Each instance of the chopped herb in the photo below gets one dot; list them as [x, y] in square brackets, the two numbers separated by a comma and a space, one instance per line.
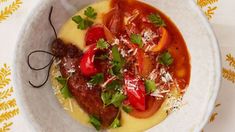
[118, 62]
[150, 86]
[166, 59]
[137, 39]
[61, 80]
[64, 90]
[116, 123]
[90, 12]
[127, 109]
[156, 19]
[102, 44]
[115, 71]
[106, 97]
[83, 24]
[77, 19]
[116, 54]
[97, 79]
[95, 122]
[102, 57]
[117, 99]
[116, 85]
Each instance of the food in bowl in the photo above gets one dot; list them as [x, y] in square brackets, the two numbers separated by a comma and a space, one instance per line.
[120, 65]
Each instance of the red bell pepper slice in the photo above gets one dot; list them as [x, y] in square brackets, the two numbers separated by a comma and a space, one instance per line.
[94, 34]
[87, 64]
[135, 90]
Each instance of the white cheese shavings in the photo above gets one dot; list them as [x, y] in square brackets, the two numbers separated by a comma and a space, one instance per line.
[157, 93]
[123, 53]
[70, 105]
[153, 75]
[72, 70]
[122, 39]
[129, 51]
[173, 103]
[106, 82]
[57, 62]
[135, 52]
[165, 76]
[89, 85]
[148, 35]
[116, 42]
[132, 84]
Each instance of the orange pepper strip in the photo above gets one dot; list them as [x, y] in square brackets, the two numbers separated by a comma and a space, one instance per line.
[164, 41]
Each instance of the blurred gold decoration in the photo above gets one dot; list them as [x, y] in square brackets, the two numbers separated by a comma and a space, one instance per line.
[208, 6]
[4, 73]
[6, 93]
[8, 106]
[6, 127]
[210, 12]
[203, 3]
[231, 60]
[7, 11]
[217, 105]
[213, 117]
[229, 75]
[2, 1]
[8, 115]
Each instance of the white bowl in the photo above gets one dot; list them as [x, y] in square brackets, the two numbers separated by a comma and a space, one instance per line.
[40, 106]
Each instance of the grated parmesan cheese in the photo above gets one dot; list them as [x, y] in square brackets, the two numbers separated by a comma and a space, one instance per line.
[173, 103]
[135, 52]
[116, 42]
[157, 93]
[106, 82]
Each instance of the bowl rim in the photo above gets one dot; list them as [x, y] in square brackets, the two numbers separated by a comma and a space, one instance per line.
[218, 65]
[205, 22]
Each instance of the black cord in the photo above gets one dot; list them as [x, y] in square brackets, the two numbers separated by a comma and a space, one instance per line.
[47, 77]
[49, 18]
[46, 52]
[39, 51]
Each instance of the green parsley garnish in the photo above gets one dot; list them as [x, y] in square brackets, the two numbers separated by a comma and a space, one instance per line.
[118, 62]
[116, 123]
[116, 54]
[137, 39]
[82, 23]
[106, 98]
[97, 79]
[115, 99]
[156, 19]
[116, 85]
[166, 59]
[64, 90]
[95, 122]
[102, 44]
[126, 108]
[90, 12]
[150, 86]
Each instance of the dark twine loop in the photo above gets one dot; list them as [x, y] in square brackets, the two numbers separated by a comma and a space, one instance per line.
[49, 18]
[39, 51]
[47, 77]
[46, 52]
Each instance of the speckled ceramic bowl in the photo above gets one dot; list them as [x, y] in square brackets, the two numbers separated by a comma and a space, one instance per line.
[40, 106]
